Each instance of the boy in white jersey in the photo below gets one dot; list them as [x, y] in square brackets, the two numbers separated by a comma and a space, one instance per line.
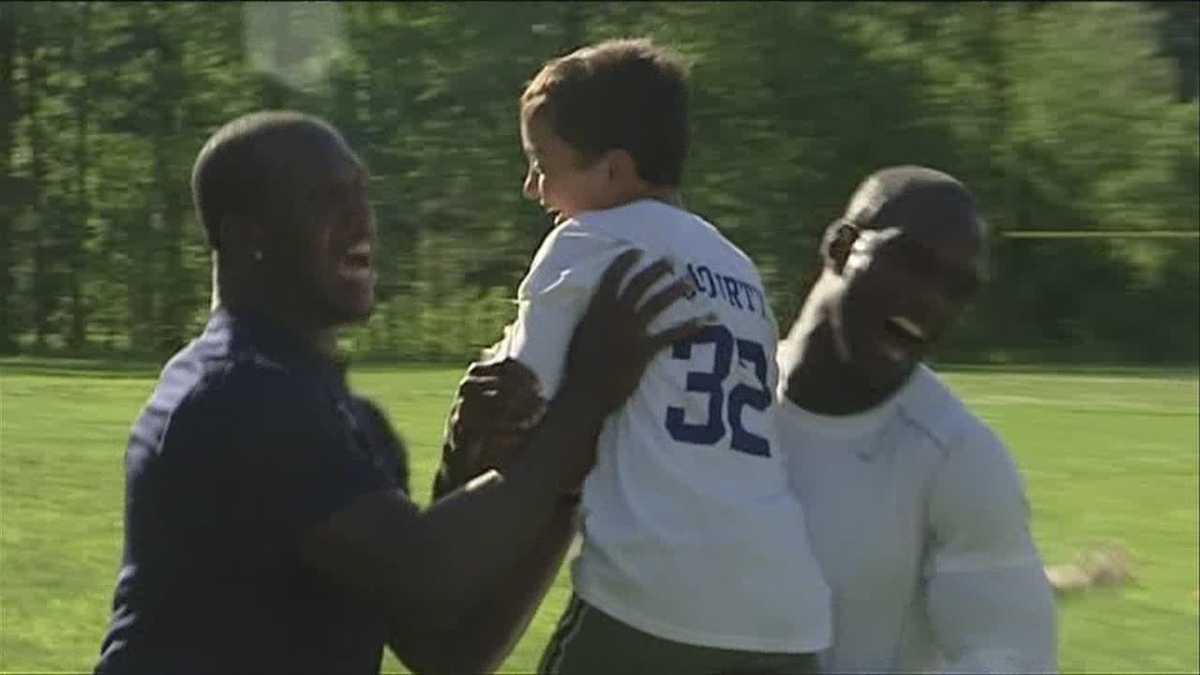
[915, 508]
[689, 561]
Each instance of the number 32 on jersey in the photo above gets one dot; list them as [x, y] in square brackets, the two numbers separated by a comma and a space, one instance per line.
[722, 405]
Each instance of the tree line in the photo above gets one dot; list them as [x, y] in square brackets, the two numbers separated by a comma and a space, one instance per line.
[1063, 117]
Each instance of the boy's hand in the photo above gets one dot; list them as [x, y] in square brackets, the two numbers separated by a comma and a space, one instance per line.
[497, 405]
[500, 398]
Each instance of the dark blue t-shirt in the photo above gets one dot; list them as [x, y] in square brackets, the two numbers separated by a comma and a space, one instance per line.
[249, 440]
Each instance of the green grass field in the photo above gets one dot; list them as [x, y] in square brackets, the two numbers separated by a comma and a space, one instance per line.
[1107, 457]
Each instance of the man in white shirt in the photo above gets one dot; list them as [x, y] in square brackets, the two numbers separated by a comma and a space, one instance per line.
[915, 508]
[690, 560]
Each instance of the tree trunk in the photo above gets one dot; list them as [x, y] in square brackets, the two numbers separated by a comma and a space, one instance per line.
[75, 241]
[10, 203]
[43, 292]
[173, 301]
[144, 232]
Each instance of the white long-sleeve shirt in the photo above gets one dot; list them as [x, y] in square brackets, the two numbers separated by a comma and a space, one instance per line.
[917, 515]
[689, 525]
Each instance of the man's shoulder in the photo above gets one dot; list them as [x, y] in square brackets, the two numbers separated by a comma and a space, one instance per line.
[203, 396]
[383, 437]
[929, 404]
[236, 384]
[974, 483]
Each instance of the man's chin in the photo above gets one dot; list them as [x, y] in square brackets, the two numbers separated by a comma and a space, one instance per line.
[360, 313]
[345, 311]
[881, 369]
[891, 375]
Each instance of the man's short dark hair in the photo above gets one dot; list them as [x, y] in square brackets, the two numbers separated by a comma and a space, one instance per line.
[237, 172]
[627, 94]
[902, 195]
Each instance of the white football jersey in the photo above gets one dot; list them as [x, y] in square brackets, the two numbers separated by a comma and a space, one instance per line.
[690, 530]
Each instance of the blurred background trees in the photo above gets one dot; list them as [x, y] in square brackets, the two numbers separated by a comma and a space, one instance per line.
[1071, 118]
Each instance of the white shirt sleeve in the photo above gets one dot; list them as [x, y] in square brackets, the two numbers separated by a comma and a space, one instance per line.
[988, 601]
[553, 297]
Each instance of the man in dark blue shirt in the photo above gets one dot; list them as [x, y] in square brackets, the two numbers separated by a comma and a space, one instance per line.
[266, 525]
[248, 441]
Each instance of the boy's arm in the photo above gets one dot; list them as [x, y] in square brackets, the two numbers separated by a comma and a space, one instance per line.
[552, 298]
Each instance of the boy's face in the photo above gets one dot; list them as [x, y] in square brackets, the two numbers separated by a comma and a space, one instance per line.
[559, 178]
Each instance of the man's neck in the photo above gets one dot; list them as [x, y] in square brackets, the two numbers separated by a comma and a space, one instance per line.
[321, 339]
[818, 379]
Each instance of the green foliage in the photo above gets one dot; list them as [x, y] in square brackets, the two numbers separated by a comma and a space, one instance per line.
[1059, 116]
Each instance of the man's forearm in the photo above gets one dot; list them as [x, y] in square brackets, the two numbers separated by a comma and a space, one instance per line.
[491, 630]
[437, 564]
[500, 621]
[471, 534]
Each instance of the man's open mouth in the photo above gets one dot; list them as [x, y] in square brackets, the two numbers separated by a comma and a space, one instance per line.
[903, 337]
[356, 262]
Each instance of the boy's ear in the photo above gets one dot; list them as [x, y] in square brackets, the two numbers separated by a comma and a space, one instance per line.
[836, 244]
[622, 169]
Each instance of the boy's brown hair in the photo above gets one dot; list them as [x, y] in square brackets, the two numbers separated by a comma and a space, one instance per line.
[629, 94]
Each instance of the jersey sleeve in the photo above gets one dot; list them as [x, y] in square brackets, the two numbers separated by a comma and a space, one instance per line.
[987, 597]
[553, 297]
